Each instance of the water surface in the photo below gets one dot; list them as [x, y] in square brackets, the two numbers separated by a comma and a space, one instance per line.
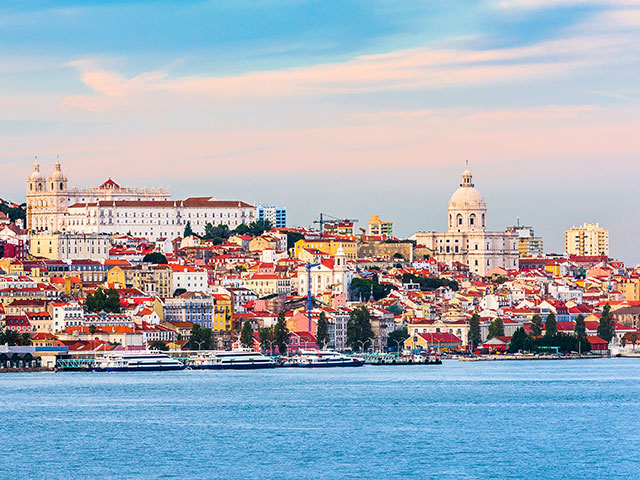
[533, 420]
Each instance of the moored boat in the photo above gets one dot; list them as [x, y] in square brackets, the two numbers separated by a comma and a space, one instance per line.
[324, 359]
[137, 362]
[232, 360]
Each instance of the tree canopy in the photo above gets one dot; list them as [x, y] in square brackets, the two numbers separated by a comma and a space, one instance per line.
[156, 258]
[159, 345]
[246, 335]
[200, 338]
[496, 328]
[396, 338]
[429, 283]
[580, 328]
[188, 231]
[521, 342]
[536, 326]
[550, 325]
[359, 332]
[99, 301]
[13, 338]
[322, 332]
[474, 337]
[281, 334]
[361, 288]
[606, 328]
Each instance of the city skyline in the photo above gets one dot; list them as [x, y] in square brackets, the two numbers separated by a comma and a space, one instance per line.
[325, 107]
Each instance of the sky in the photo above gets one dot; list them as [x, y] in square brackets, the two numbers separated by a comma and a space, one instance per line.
[351, 108]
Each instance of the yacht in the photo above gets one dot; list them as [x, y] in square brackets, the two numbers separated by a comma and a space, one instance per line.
[233, 360]
[325, 358]
[137, 362]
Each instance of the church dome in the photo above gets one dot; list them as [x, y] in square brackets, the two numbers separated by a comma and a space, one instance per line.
[467, 207]
[467, 198]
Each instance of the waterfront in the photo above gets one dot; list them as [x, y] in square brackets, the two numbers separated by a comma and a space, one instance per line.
[552, 420]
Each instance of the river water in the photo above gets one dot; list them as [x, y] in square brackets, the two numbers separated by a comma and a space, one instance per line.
[574, 419]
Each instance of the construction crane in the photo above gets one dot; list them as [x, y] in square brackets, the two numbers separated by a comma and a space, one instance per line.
[322, 220]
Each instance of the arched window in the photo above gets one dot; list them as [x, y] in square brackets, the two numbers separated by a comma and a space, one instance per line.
[472, 219]
[61, 186]
[450, 220]
[459, 219]
[483, 224]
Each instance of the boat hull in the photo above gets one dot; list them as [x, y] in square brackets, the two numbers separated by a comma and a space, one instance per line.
[140, 369]
[328, 365]
[234, 367]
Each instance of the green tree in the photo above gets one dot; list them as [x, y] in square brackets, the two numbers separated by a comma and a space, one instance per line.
[246, 335]
[241, 229]
[200, 338]
[429, 283]
[266, 339]
[550, 326]
[359, 332]
[112, 301]
[396, 338]
[95, 301]
[258, 227]
[156, 258]
[281, 334]
[496, 328]
[474, 331]
[536, 326]
[606, 329]
[292, 238]
[580, 328]
[361, 288]
[521, 342]
[322, 332]
[188, 232]
[179, 291]
[159, 345]
[92, 329]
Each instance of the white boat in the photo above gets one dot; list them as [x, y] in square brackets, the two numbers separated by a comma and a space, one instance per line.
[324, 358]
[137, 362]
[232, 360]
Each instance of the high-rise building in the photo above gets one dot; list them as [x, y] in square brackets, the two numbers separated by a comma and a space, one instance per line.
[587, 239]
[277, 216]
[528, 244]
[379, 227]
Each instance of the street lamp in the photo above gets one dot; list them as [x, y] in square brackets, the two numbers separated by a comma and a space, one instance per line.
[398, 346]
[363, 344]
[270, 342]
[200, 344]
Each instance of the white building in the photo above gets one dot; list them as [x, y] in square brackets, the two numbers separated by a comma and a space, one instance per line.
[64, 315]
[330, 275]
[467, 240]
[112, 209]
[189, 278]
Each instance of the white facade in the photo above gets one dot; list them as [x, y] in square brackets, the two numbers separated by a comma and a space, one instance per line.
[112, 209]
[64, 315]
[329, 276]
[467, 240]
[190, 278]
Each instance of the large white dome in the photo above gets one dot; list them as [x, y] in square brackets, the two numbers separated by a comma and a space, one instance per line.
[467, 198]
[467, 208]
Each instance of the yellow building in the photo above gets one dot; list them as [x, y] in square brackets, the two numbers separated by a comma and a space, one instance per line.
[265, 284]
[587, 239]
[379, 227]
[328, 246]
[70, 246]
[11, 266]
[630, 289]
[153, 280]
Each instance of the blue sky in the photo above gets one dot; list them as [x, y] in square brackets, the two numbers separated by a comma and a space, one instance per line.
[353, 108]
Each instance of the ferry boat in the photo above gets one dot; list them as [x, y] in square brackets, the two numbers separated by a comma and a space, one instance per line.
[324, 358]
[233, 360]
[137, 362]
